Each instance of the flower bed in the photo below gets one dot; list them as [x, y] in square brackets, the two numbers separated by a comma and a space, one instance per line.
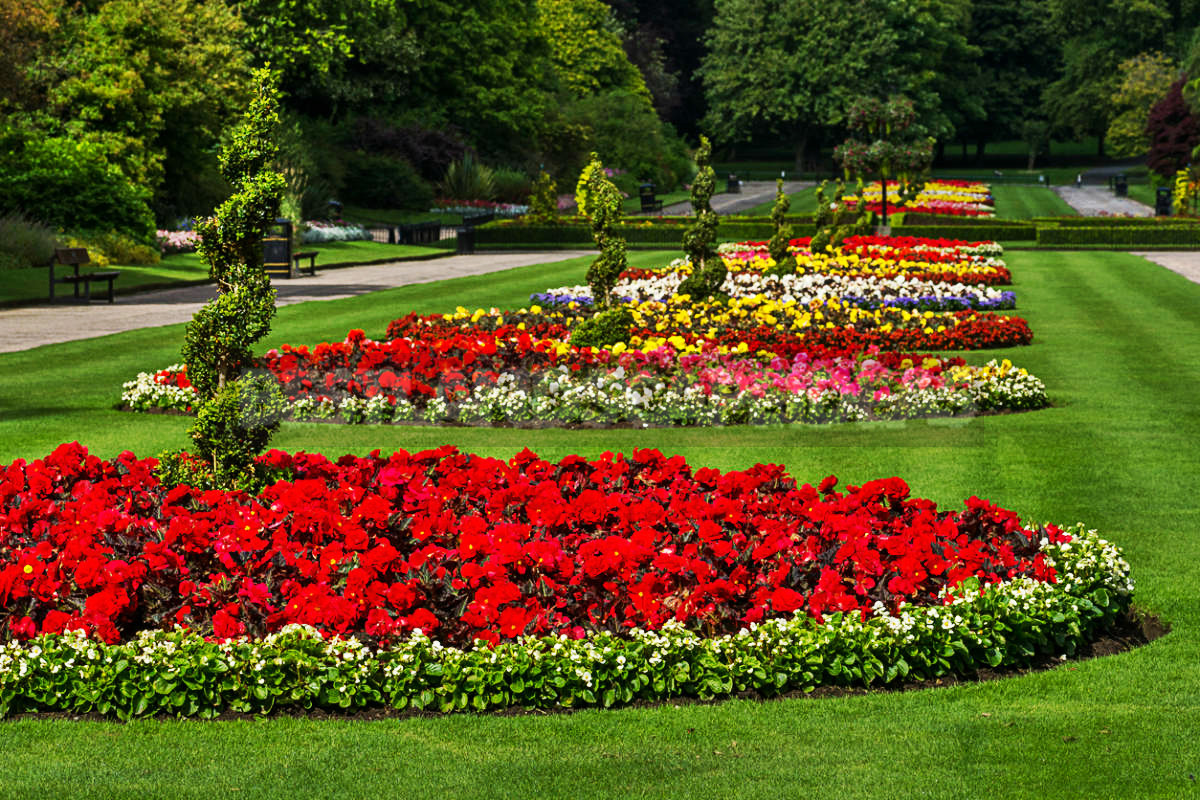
[948, 197]
[824, 346]
[172, 242]
[316, 231]
[600, 581]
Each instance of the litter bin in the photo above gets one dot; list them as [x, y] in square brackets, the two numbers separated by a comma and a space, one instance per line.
[1162, 201]
[1121, 185]
[733, 185]
[466, 240]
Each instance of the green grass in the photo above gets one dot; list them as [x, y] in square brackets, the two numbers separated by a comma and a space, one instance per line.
[1027, 202]
[30, 286]
[1117, 343]
[803, 202]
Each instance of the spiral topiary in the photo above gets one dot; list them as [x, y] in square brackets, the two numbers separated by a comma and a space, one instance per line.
[600, 201]
[777, 247]
[237, 415]
[699, 240]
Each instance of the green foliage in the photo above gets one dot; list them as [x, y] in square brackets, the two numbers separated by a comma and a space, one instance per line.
[586, 50]
[150, 82]
[777, 246]
[700, 239]
[384, 182]
[511, 185]
[468, 179]
[599, 200]
[24, 243]
[794, 66]
[624, 129]
[235, 426]
[1145, 79]
[604, 329]
[118, 248]
[235, 416]
[543, 201]
[69, 184]
[835, 218]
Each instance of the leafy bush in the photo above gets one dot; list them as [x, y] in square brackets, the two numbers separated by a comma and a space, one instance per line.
[511, 185]
[627, 133]
[467, 179]
[119, 248]
[604, 330]
[375, 181]
[431, 151]
[24, 243]
[69, 184]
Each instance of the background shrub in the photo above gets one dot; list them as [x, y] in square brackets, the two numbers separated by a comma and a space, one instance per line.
[70, 184]
[467, 179]
[24, 243]
[511, 185]
[385, 182]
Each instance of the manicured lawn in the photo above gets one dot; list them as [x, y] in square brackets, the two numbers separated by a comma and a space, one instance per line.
[803, 202]
[1117, 343]
[1027, 202]
[29, 286]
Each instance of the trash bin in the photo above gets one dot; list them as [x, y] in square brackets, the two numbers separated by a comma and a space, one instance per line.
[1121, 185]
[466, 239]
[733, 185]
[1162, 201]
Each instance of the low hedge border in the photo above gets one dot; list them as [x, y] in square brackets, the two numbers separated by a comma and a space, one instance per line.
[1119, 235]
[178, 673]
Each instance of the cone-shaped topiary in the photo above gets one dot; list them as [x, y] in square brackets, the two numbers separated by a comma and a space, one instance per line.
[543, 200]
[699, 240]
[777, 247]
[237, 415]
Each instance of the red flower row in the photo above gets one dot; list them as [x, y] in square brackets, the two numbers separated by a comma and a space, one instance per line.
[468, 547]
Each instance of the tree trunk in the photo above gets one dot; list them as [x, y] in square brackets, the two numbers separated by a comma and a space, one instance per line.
[1100, 146]
[963, 143]
[1032, 158]
[980, 147]
[801, 147]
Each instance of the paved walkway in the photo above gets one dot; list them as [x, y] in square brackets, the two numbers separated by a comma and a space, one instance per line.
[30, 327]
[1092, 201]
[754, 193]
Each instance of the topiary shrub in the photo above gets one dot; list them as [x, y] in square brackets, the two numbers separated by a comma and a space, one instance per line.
[700, 239]
[604, 329]
[777, 247]
[543, 200]
[600, 201]
[237, 414]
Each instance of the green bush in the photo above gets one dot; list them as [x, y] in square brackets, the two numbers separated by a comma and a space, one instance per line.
[604, 330]
[236, 425]
[24, 243]
[627, 133]
[467, 179]
[511, 185]
[382, 182]
[119, 248]
[69, 184]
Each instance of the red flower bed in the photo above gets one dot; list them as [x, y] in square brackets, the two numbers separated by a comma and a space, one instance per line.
[465, 546]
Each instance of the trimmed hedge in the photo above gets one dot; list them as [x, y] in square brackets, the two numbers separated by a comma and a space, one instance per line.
[982, 231]
[1122, 235]
[1110, 222]
[493, 236]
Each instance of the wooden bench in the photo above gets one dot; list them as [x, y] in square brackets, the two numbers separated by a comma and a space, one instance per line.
[311, 255]
[75, 257]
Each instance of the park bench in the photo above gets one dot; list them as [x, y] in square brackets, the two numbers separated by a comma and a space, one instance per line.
[649, 201]
[75, 257]
[311, 255]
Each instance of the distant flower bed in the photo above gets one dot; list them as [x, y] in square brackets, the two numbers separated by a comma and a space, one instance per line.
[471, 207]
[172, 242]
[317, 231]
[950, 197]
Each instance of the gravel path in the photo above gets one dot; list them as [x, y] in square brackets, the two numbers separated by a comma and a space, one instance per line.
[753, 193]
[27, 328]
[1092, 201]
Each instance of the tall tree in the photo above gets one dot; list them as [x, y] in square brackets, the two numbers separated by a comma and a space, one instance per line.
[794, 66]
[1145, 80]
[1099, 34]
[1018, 56]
